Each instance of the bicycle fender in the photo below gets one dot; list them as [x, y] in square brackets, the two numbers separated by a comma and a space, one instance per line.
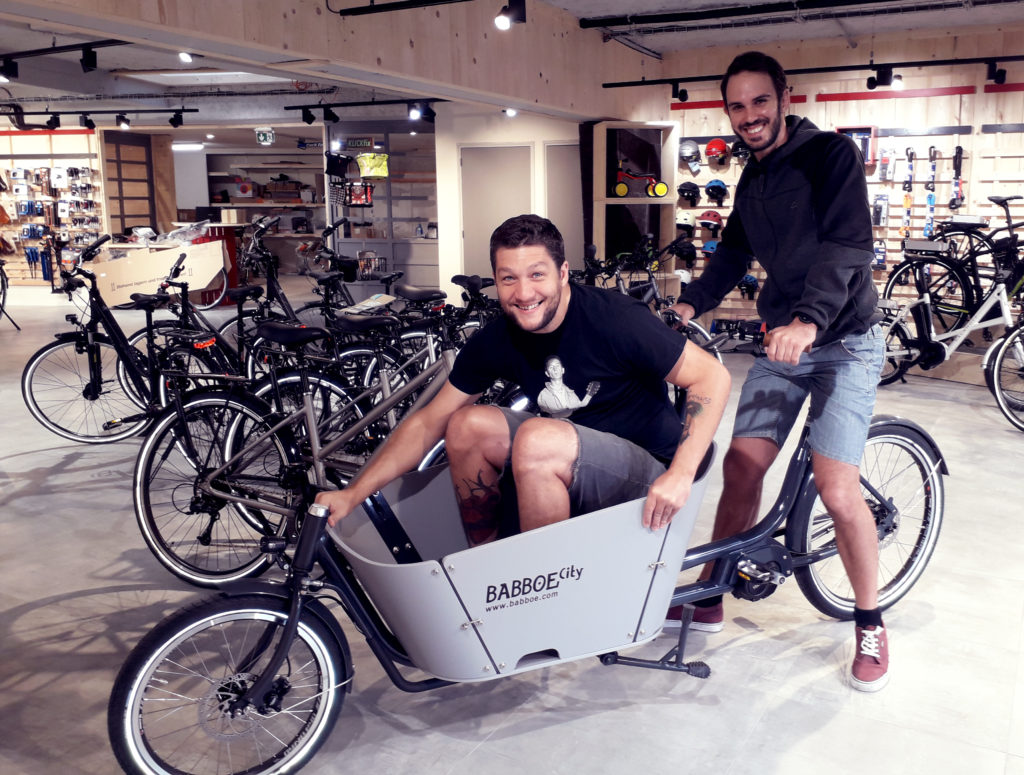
[889, 419]
[245, 587]
[74, 336]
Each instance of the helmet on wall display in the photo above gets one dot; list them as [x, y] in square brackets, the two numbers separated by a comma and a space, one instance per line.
[717, 151]
[717, 191]
[709, 247]
[685, 221]
[689, 191]
[740, 150]
[685, 252]
[689, 152]
[711, 219]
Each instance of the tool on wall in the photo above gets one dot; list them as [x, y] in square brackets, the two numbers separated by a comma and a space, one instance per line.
[885, 168]
[880, 210]
[958, 185]
[908, 196]
[932, 156]
[908, 182]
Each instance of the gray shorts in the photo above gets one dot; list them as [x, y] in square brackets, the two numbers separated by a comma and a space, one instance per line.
[608, 470]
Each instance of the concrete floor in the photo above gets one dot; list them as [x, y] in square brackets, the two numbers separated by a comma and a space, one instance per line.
[79, 588]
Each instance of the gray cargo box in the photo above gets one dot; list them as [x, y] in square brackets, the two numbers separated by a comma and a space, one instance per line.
[596, 583]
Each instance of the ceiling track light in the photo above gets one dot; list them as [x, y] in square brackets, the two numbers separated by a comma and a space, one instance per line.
[122, 121]
[995, 73]
[897, 82]
[88, 60]
[85, 121]
[177, 119]
[185, 57]
[53, 122]
[679, 93]
[415, 111]
[330, 115]
[882, 77]
[307, 116]
[510, 112]
[513, 13]
[9, 69]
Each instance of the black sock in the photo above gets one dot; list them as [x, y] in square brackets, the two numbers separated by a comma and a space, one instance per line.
[709, 602]
[867, 618]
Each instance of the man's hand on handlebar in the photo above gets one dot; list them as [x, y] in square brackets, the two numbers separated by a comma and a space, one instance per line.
[685, 312]
[340, 502]
[787, 343]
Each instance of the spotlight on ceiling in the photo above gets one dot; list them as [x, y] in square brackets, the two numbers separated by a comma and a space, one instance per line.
[330, 115]
[897, 83]
[177, 119]
[307, 116]
[88, 60]
[85, 121]
[187, 146]
[510, 112]
[185, 57]
[9, 69]
[122, 121]
[679, 93]
[53, 122]
[428, 113]
[415, 111]
[513, 13]
[995, 73]
[882, 77]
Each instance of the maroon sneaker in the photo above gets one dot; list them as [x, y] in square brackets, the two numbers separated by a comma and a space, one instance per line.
[704, 619]
[871, 662]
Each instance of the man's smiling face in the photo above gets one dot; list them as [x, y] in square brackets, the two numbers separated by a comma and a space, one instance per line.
[756, 112]
[533, 292]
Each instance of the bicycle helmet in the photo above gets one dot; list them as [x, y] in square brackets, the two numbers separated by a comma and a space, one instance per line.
[709, 247]
[685, 252]
[740, 150]
[689, 152]
[711, 220]
[689, 191]
[748, 286]
[685, 221]
[717, 151]
[716, 191]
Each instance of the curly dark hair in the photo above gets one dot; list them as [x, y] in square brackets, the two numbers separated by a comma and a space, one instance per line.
[529, 230]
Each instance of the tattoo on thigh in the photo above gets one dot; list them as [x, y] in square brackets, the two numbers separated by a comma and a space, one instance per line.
[478, 505]
[694, 406]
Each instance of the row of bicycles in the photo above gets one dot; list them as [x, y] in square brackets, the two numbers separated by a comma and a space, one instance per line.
[246, 422]
[965, 282]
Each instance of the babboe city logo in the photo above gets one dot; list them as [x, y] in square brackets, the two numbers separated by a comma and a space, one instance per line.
[530, 589]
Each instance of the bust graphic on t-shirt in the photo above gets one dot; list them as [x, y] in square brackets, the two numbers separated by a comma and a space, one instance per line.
[557, 399]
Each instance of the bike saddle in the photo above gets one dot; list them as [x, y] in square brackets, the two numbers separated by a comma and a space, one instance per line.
[473, 283]
[1001, 200]
[148, 301]
[351, 324]
[326, 278]
[414, 293]
[289, 335]
[244, 292]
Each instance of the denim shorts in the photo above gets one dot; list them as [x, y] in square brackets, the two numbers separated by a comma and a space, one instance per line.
[841, 377]
[608, 470]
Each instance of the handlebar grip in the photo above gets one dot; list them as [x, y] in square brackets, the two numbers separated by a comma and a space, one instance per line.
[309, 536]
[334, 227]
[176, 269]
[90, 252]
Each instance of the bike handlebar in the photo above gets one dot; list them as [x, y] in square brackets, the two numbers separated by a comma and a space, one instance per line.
[93, 250]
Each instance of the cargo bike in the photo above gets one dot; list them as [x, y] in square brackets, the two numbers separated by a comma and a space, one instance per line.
[252, 679]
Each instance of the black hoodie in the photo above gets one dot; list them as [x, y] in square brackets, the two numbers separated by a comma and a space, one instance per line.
[802, 212]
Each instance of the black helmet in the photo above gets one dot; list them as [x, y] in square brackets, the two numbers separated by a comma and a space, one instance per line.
[689, 191]
[740, 150]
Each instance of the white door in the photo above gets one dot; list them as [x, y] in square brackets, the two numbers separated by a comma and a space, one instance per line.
[495, 187]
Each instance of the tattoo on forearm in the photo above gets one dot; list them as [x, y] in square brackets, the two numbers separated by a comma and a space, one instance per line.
[694, 406]
[478, 505]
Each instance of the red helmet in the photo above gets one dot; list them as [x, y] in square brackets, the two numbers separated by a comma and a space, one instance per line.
[717, 151]
[710, 219]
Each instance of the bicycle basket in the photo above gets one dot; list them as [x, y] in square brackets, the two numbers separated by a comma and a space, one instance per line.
[337, 164]
[1004, 253]
[372, 166]
[351, 194]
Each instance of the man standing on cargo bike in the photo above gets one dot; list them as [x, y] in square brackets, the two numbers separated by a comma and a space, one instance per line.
[623, 439]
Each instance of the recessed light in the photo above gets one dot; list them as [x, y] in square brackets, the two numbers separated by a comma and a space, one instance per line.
[210, 137]
[185, 57]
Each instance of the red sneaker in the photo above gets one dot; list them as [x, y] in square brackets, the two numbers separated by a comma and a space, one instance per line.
[704, 619]
[871, 662]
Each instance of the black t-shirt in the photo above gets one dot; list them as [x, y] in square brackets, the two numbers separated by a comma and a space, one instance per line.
[613, 357]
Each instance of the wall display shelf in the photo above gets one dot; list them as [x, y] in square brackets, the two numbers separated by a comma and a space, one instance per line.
[403, 208]
[630, 158]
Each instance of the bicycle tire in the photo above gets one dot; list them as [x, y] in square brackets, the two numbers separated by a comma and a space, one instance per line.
[900, 464]
[168, 713]
[974, 251]
[213, 294]
[952, 293]
[898, 352]
[1006, 377]
[55, 387]
[197, 537]
[3, 292]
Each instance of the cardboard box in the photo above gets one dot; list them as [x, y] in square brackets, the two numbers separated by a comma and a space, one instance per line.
[141, 270]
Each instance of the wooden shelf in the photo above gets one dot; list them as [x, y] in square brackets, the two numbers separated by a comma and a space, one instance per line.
[270, 205]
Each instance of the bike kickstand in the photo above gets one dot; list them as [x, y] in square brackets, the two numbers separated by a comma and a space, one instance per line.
[8, 316]
[673, 660]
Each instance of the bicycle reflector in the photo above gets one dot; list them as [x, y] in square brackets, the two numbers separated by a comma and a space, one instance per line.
[717, 151]
[689, 191]
[689, 152]
[716, 191]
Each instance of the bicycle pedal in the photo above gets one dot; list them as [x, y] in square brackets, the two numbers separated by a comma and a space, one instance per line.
[752, 571]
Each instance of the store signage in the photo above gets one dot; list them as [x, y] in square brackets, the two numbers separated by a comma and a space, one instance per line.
[265, 135]
[357, 142]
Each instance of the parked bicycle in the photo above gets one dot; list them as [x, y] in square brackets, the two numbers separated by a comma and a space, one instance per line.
[961, 264]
